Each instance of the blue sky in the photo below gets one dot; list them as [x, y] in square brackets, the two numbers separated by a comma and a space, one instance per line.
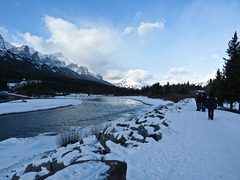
[148, 41]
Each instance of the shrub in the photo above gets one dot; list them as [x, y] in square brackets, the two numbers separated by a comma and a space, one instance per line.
[75, 136]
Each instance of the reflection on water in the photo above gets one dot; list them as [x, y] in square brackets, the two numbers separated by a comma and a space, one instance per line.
[115, 101]
[90, 112]
[5, 98]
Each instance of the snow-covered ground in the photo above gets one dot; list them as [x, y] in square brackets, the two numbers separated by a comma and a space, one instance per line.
[18, 106]
[235, 105]
[192, 147]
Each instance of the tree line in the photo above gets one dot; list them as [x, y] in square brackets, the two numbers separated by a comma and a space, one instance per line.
[226, 84]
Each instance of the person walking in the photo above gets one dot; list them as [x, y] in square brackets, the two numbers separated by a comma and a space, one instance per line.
[196, 99]
[211, 104]
[204, 101]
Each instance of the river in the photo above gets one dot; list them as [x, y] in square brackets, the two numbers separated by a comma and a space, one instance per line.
[90, 112]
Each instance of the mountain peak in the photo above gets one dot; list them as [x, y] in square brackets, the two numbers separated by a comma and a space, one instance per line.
[128, 83]
[2, 43]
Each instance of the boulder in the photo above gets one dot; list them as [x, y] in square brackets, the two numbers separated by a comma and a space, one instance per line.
[117, 171]
[138, 121]
[107, 135]
[155, 126]
[156, 136]
[151, 115]
[134, 128]
[122, 125]
[15, 177]
[165, 124]
[160, 117]
[142, 131]
[51, 166]
[138, 139]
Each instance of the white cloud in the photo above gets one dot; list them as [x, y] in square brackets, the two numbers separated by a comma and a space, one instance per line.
[34, 40]
[182, 70]
[128, 30]
[139, 75]
[3, 30]
[180, 75]
[138, 14]
[90, 47]
[215, 56]
[145, 28]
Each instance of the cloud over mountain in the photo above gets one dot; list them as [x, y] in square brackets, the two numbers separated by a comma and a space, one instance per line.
[90, 47]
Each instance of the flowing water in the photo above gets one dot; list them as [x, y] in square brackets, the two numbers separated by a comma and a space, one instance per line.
[90, 112]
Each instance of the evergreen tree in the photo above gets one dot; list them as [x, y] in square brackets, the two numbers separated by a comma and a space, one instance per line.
[218, 87]
[231, 72]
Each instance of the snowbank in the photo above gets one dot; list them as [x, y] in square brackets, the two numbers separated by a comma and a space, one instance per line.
[153, 102]
[19, 106]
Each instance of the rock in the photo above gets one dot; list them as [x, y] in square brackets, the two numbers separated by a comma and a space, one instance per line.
[134, 138]
[51, 166]
[157, 111]
[165, 124]
[160, 117]
[117, 170]
[101, 151]
[15, 177]
[134, 128]
[151, 115]
[155, 126]
[77, 148]
[140, 122]
[122, 125]
[108, 134]
[64, 154]
[122, 140]
[156, 136]
[31, 168]
[142, 131]
[131, 133]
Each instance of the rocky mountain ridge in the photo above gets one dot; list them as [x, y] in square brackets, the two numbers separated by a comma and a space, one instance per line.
[25, 58]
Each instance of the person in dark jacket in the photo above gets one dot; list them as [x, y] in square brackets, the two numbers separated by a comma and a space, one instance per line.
[204, 101]
[196, 99]
[199, 101]
[211, 104]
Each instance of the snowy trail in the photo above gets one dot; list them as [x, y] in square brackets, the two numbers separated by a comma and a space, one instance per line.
[193, 147]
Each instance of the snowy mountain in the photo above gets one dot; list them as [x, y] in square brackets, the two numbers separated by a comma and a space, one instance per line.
[128, 83]
[25, 58]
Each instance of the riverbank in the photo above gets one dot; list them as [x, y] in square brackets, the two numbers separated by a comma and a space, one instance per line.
[29, 105]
